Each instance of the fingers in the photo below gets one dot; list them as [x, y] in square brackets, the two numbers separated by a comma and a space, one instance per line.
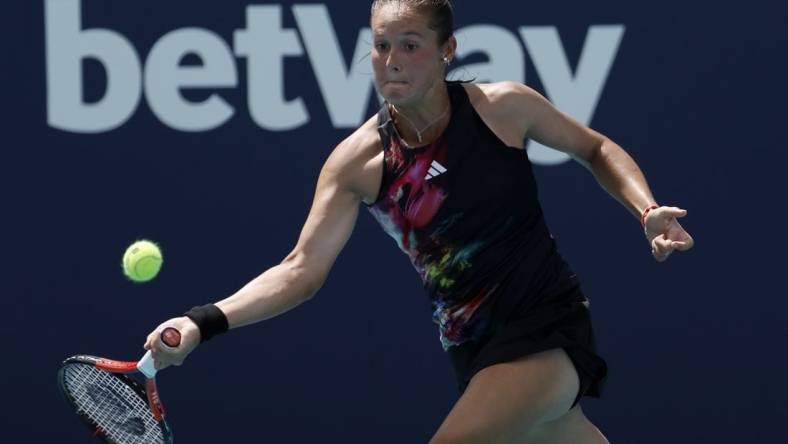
[674, 211]
[164, 355]
[150, 340]
[163, 358]
[684, 245]
[661, 218]
[157, 363]
[689, 241]
[152, 344]
[157, 349]
[661, 248]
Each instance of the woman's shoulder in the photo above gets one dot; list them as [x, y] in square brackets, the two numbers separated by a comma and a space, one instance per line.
[356, 160]
[362, 144]
[505, 94]
[503, 106]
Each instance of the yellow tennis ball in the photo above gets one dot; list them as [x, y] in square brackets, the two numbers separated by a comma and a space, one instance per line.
[142, 261]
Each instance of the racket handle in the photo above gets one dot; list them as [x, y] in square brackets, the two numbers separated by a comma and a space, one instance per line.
[170, 338]
[146, 367]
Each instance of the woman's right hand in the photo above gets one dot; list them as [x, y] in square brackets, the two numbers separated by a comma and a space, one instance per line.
[166, 356]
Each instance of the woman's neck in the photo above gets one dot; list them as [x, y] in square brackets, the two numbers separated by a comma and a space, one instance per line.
[422, 123]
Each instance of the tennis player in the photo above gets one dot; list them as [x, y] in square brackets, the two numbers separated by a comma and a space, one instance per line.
[442, 168]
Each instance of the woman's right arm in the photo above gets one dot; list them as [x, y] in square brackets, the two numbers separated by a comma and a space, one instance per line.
[301, 274]
[340, 189]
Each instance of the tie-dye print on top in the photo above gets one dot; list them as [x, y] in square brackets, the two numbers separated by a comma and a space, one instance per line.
[472, 226]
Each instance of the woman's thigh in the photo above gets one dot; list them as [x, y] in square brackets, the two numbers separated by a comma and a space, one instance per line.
[571, 428]
[504, 402]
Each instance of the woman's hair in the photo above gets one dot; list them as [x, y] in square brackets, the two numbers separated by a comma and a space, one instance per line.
[440, 13]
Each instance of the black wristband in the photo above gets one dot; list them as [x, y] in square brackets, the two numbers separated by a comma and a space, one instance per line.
[210, 320]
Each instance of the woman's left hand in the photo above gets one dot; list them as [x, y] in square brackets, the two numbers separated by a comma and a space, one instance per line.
[664, 232]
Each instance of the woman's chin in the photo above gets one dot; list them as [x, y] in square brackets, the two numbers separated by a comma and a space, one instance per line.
[396, 93]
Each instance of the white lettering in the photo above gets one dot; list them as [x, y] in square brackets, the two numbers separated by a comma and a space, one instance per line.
[345, 87]
[265, 44]
[66, 46]
[576, 95]
[346, 92]
[503, 51]
[164, 77]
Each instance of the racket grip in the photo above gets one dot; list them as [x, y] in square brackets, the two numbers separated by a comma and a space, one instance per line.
[170, 339]
[146, 366]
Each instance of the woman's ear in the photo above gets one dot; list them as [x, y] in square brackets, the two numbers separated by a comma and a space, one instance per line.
[451, 49]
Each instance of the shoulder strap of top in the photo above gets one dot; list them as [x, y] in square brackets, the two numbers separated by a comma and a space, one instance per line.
[463, 125]
[459, 97]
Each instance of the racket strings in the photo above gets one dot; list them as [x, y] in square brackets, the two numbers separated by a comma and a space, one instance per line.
[112, 404]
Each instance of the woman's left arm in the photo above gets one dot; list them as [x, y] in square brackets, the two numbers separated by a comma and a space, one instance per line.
[611, 165]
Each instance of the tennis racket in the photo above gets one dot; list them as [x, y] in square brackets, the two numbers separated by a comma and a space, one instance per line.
[118, 408]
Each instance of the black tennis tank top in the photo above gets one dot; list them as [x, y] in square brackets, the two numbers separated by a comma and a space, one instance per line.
[465, 210]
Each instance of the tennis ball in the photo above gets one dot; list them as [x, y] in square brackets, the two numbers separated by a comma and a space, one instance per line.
[142, 261]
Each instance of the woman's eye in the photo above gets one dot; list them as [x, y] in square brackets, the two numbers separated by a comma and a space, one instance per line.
[381, 46]
[411, 46]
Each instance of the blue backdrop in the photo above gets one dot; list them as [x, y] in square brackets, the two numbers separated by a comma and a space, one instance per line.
[203, 125]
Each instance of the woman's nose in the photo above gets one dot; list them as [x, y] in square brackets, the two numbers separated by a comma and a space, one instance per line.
[392, 62]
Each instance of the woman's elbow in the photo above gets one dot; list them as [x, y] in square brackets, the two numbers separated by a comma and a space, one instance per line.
[598, 150]
[311, 287]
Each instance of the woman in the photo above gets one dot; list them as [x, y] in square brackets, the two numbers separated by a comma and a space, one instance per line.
[442, 168]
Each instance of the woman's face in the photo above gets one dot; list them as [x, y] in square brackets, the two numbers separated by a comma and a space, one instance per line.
[406, 59]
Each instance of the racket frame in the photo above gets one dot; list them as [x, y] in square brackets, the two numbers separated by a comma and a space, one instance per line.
[120, 370]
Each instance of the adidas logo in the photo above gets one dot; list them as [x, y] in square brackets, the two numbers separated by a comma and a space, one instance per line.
[436, 169]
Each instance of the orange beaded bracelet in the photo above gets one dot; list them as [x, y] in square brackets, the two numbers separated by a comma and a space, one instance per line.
[645, 213]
